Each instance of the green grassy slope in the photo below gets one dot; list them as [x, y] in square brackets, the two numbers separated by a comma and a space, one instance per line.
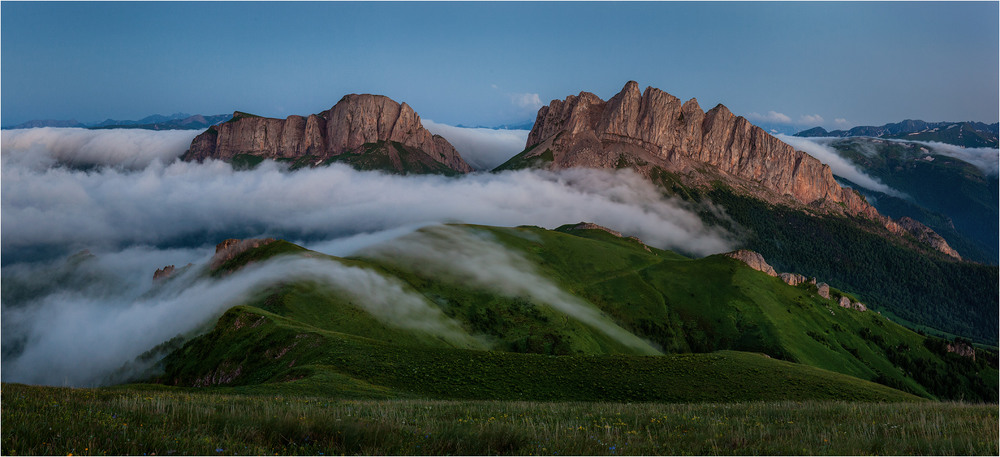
[954, 297]
[676, 304]
[301, 359]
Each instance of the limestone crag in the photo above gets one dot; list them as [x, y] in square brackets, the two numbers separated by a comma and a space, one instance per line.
[961, 348]
[163, 273]
[354, 121]
[792, 279]
[756, 261]
[753, 260]
[593, 226]
[229, 249]
[823, 289]
[926, 235]
[654, 129]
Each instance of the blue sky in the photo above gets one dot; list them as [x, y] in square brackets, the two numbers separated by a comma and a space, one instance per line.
[801, 64]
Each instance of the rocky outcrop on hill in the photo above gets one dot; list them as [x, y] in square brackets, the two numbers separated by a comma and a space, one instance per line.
[753, 260]
[926, 235]
[229, 249]
[961, 348]
[845, 302]
[355, 121]
[823, 289]
[163, 273]
[756, 261]
[593, 226]
[652, 129]
[792, 279]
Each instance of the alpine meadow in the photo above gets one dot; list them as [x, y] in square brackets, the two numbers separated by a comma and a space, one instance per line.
[563, 262]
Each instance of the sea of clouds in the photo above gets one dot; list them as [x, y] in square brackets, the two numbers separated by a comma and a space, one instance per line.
[122, 195]
[83, 319]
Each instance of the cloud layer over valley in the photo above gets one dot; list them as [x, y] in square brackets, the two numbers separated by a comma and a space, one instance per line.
[183, 203]
[483, 148]
[839, 165]
[75, 319]
[82, 337]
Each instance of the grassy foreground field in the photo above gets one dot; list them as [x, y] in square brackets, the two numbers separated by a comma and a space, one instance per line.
[153, 420]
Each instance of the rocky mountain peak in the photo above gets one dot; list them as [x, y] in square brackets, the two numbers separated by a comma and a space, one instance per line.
[355, 121]
[652, 129]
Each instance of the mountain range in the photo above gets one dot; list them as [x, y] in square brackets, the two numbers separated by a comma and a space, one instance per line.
[176, 121]
[967, 134]
[831, 294]
[712, 159]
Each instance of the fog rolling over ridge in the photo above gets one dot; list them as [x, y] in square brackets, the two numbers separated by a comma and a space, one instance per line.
[465, 258]
[839, 165]
[81, 338]
[82, 319]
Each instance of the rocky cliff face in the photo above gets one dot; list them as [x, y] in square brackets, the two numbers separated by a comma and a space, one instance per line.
[355, 120]
[652, 128]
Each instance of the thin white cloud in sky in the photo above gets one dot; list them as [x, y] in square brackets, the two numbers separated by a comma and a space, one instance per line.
[771, 116]
[841, 122]
[814, 119]
[526, 101]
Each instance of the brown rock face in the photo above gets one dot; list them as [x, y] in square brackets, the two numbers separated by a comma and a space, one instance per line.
[962, 349]
[792, 279]
[354, 121]
[163, 273]
[823, 289]
[652, 128]
[229, 249]
[926, 235]
[753, 260]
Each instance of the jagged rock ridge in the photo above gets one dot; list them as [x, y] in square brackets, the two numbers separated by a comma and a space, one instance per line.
[756, 261]
[650, 129]
[355, 121]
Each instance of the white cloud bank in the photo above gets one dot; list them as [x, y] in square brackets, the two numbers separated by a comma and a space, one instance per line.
[134, 195]
[482, 148]
[131, 149]
[985, 159]
[166, 204]
[79, 339]
[839, 165]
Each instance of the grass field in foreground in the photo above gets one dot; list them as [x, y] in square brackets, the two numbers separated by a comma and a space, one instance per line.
[143, 420]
